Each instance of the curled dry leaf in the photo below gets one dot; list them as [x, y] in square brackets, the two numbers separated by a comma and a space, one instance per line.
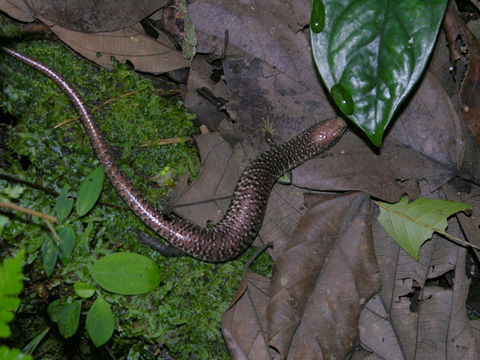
[322, 281]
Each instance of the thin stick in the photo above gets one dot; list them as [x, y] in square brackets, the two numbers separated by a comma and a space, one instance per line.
[11, 206]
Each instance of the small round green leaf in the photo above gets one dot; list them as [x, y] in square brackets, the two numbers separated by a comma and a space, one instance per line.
[83, 290]
[65, 247]
[126, 273]
[64, 205]
[90, 190]
[100, 322]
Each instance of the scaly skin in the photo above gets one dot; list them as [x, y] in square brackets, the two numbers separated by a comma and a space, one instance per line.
[243, 219]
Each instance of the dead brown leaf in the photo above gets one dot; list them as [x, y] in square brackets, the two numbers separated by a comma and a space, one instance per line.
[465, 51]
[244, 325]
[322, 281]
[85, 15]
[428, 141]
[417, 314]
[132, 44]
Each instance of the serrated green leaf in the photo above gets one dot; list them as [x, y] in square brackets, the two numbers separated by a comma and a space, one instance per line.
[126, 273]
[83, 290]
[68, 318]
[90, 190]
[65, 247]
[64, 205]
[374, 51]
[10, 286]
[100, 322]
[49, 255]
[411, 224]
[12, 354]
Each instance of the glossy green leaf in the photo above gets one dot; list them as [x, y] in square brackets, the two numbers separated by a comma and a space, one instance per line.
[65, 247]
[376, 51]
[100, 322]
[64, 205]
[126, 273]
[90, 190]
[49, 255]
[83, 290]
[411, 224]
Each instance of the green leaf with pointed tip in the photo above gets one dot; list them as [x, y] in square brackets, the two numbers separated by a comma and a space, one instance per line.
[65, 246]
[49, 255]
[126, 273]
[411, 224]
[64, 205]
[89, 191]
[100, 322]
[374, 51]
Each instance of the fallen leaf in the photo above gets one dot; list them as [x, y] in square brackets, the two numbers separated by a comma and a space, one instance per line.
[85, 15]
[322, 281]
[426, 317]
[465, 48]
[145, 53]
[244, 325]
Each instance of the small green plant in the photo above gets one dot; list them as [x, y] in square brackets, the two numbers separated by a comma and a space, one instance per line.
[10, 287]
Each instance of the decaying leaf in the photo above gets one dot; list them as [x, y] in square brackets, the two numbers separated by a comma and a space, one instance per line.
[322, 281]
[244, 325]
[428, 141]
[132, 44]
[465, 50]
[85, 15]
[419, 313]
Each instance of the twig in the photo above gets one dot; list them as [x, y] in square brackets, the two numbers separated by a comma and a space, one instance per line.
[11, 206]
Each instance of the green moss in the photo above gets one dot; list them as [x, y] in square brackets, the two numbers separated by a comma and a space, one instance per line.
[184, 313]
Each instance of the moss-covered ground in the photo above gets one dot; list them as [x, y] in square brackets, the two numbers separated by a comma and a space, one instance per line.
[181, 318]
